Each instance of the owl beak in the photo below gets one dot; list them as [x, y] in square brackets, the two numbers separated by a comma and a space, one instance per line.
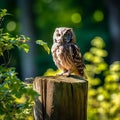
[59, 40]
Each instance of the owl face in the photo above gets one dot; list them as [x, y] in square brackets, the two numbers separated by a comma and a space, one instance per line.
[63, 35]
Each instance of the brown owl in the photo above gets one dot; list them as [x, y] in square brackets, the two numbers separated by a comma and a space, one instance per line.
[65, 52]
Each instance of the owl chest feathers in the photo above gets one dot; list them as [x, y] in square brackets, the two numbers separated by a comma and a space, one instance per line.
[62, 56]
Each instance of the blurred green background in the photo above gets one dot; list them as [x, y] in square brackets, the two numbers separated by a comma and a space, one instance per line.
[37, 19]
[95, 24]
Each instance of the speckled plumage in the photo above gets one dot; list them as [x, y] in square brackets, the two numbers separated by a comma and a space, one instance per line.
[66, 54]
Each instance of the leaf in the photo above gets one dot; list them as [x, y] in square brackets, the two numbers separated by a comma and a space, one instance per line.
[25, 47]
[44, 44]
[3, 13]
[98, 42]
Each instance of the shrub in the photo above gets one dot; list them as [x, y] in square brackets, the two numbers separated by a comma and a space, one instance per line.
[16, 97]
[104, 87]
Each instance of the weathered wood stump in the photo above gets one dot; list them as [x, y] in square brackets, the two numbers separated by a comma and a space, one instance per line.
[61, 98]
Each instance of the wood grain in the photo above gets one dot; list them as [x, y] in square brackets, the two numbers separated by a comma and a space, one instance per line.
[61, 98]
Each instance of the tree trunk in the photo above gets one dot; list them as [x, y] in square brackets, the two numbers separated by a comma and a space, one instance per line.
[28, 65]
[61, 98]
[114, 26]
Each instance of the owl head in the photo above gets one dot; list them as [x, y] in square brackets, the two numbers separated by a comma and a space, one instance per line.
[63, 35]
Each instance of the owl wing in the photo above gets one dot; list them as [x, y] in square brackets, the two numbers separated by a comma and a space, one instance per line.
[77, 59]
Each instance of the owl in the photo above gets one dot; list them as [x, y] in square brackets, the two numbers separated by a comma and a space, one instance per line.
[66, 54]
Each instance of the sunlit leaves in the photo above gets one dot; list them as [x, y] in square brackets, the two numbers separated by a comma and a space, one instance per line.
[16, 97]
[100, 97]
[25, 47]
[98, 42]
[51, 72]
[8, 42]
[112, 78]
[103, 99]
[96, 56]
[98, 52]
[44, 45]
[115, 66]
[3, 13]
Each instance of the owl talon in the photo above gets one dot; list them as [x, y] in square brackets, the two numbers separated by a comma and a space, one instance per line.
[66, 74]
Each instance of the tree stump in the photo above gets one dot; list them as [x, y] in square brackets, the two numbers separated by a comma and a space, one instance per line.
[61, 98]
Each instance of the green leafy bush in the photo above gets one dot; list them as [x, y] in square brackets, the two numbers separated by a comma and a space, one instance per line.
[16, 97]
[104, 87]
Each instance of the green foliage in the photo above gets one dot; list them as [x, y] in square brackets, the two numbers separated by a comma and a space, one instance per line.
[104, 88]
[44, 45]
[16, 97]
[8, 42]
[12, 89]
[3, 13]
[95, 58]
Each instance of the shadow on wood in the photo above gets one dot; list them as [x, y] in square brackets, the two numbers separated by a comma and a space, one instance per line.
[61, 98]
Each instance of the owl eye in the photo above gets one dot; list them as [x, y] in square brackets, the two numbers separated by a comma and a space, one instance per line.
[58, 34]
